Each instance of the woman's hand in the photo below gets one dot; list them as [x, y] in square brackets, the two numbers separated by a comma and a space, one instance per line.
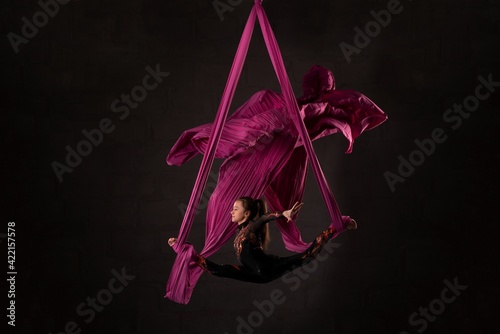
[172, 241]
[293, 211]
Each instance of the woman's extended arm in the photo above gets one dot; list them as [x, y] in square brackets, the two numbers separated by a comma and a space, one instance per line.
[288, 214]
[264, 219]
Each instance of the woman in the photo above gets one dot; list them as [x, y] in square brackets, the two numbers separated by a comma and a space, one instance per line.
[251, 241]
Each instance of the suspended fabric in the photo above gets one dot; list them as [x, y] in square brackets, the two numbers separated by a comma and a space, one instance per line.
[266, 145]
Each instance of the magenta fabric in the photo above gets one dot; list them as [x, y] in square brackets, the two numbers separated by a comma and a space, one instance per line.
[293, 108]
[266, 143]
[185, 273]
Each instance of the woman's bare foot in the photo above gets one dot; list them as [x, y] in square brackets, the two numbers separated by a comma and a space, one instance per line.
[353, 225]
[172, 241]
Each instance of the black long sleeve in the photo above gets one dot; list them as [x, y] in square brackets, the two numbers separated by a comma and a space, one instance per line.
[264, 219]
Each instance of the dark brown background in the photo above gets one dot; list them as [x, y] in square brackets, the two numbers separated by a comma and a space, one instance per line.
[119, 206]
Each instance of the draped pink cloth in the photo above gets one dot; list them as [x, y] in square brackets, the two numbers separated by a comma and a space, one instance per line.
[266, 145]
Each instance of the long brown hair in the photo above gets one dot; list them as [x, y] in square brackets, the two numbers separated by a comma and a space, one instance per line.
[257, 208]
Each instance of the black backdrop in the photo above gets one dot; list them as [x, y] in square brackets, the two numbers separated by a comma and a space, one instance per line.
[91, 251]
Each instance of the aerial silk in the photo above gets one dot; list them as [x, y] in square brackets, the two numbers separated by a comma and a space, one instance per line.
[266, 145]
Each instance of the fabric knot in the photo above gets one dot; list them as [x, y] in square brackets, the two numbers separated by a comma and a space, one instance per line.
[316, 82]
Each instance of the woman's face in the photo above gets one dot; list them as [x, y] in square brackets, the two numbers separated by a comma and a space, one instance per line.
[238, 213]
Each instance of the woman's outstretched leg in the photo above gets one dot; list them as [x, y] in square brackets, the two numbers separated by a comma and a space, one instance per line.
[312, 252]
[283, 265]
[237, 272]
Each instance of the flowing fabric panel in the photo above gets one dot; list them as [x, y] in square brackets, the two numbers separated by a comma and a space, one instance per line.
[242, 129]
[345, 111]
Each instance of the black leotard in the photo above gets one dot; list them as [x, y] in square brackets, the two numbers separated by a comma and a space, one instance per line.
[256, 265]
